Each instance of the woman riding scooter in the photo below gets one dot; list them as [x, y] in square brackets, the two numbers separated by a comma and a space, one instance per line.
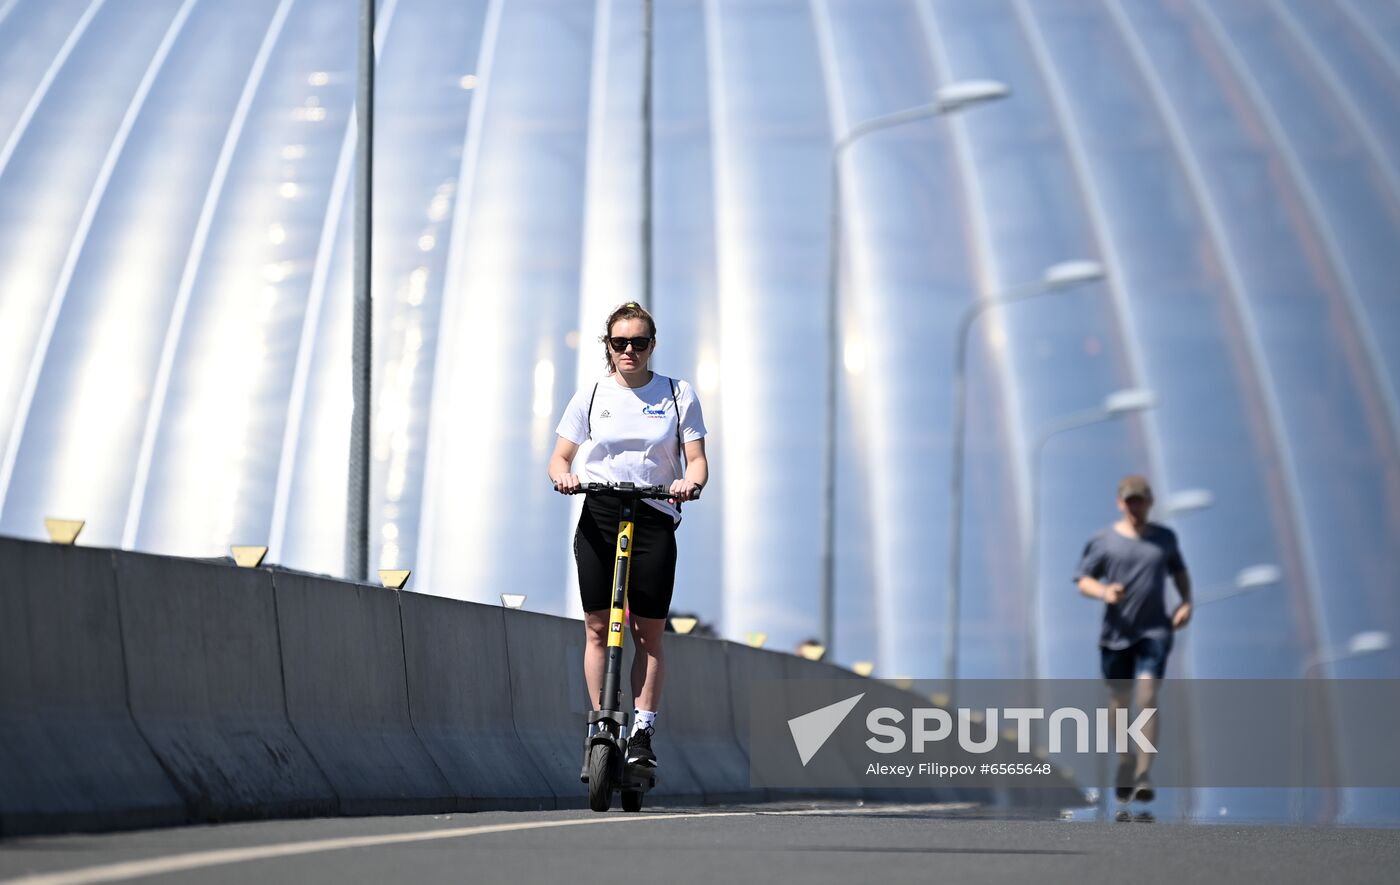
[646, 429]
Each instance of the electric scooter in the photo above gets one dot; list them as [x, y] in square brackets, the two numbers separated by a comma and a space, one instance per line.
[605, 747]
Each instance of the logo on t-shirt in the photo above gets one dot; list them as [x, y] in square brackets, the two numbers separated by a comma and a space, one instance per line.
[606, 414]
[654, 411]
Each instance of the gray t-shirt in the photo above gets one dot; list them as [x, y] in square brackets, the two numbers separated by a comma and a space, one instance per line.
[1141, 565]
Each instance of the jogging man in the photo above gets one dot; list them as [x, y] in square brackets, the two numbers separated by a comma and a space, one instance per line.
[1126, 565]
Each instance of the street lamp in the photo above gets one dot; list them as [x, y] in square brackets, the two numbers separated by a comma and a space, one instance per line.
[1056, 278]
[1255, 577]
[956, 96]
[1188, 501]
[1365, 643]
[950, 98]
[1122, 402]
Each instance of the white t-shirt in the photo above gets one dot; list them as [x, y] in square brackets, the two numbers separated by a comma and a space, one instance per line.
[633, 432]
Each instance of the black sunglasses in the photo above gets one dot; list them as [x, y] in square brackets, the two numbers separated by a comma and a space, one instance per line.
[639, 344]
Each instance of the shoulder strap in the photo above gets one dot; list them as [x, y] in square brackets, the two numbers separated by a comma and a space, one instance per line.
[680, 447]
[590, 410]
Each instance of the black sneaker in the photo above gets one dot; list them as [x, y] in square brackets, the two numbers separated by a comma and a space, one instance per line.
[1123, 785]
[1142, 790]
[639, 748]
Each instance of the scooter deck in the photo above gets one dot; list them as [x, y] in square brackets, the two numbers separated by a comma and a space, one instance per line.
[637, 777]
[635, 780]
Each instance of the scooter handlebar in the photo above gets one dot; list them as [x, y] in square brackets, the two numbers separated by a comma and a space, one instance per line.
[625, 490]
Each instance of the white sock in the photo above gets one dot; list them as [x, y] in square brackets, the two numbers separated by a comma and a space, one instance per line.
[645, 719]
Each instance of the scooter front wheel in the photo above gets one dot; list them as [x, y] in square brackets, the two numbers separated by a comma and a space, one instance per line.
[600, 777]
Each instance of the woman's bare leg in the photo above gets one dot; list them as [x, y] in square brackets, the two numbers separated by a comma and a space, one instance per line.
[595, 652]
[648, 666]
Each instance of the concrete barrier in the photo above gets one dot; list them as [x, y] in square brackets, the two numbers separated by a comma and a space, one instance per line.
[550, 703]
[459, 695]
[677, 782]
[139, 690]
[745, 666]
[698, 710]
[70, 756]
[549, 699]
[204, 673]
[347, 695]
[800, 668]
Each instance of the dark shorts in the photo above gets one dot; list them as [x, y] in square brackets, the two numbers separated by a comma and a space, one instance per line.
[1147, 655]
[652, 575]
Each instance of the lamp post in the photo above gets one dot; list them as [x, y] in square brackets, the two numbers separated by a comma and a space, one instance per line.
[1122, 402]
[357, 495]
[1255, 577]
[1364, 643]
[950, 98]
[1246, 580]
[646, 200]
[1179, 503]
[1056, 278]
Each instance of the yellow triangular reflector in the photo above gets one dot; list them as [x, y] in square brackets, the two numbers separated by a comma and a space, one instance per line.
[684, 625]
[64, 531]
[249, 557]
[756, 639]
[394, 579]
[863, 668]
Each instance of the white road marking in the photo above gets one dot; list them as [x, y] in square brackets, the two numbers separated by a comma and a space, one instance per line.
[870, 809]
[199, 859]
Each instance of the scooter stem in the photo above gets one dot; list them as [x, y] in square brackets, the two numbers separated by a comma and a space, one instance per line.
[611, 697]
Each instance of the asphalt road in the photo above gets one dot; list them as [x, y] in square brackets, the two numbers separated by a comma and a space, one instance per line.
[807, 843]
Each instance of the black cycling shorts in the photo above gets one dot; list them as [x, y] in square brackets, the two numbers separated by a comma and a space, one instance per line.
[653, 572]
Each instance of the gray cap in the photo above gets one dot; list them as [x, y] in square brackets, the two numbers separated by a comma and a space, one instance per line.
[1134, 484]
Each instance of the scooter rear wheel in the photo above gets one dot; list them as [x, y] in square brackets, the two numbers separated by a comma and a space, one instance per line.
[600, 777]
[631, 800]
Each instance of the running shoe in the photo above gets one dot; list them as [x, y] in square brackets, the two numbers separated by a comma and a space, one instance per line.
[639, 748]
[1123, 785]
[1142, 790]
